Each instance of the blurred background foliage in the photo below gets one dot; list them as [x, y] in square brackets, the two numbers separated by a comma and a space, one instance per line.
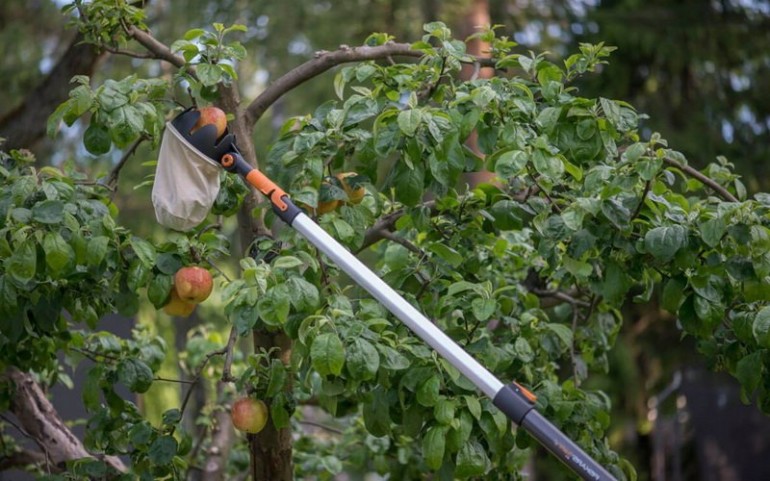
[699, 69]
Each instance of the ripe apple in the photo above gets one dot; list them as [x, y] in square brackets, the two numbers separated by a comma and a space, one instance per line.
[249, 415]
[177, 306]
[193, 284]
[355, 194]
[214, 116]
[325, 206]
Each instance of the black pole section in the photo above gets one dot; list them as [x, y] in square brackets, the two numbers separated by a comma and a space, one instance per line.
[564, 448]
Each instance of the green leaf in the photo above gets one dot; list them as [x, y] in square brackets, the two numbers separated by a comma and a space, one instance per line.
[664, 242]
[159, 289]
[483, 308]
[474, 406]
[409, 184]
[510, 163]
[302, 294]
[287, 262]
[712, 231]
[96, 139]
[428, 391]
[505, 213]
[472, 460]
[446, 253]
[563, 332]
[97, 250]
[392, 359]
[140, 434]
[615, 283]
[58, 254]
[209, 74]
[275, 305]
[327, 354]
[673, 293]
[48, 212]
[277, 378]
[550, 166]
[409, 121]
[162, 450]
[749, 372]
[278, 413]
[377, 413]
[363, 361]
[761, 327]
[171, 416]
[167, 262]
[91, 389]
[135, 375]
[138, 275]
[22, 264]
[434, 445]
[444, 410]
[144, 251]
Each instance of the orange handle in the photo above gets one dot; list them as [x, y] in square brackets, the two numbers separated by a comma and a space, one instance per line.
[259, 180]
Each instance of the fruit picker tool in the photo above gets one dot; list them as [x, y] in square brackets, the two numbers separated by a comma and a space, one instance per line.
[517, 402]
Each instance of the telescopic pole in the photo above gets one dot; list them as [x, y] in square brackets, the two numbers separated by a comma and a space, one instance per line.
[514, 400]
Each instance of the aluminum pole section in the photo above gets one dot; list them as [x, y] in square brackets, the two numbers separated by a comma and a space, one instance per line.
[396, 304]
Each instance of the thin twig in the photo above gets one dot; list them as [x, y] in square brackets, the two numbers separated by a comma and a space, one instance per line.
[386, 234]
[724, 193]
[572, 355]
[216, 268]
[179, 381]
[127, 53]
[641, 201]
[48, 462]
[226, 375]
[563, 296]
[112, 177]
[322, 426]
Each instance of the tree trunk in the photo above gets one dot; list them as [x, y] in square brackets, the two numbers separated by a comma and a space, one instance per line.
[476, 17]
[25, 125]
[271, 449]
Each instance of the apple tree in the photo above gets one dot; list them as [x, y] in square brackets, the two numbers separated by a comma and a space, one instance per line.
[527, 270]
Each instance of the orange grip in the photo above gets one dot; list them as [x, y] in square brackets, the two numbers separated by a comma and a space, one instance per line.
[268, 188]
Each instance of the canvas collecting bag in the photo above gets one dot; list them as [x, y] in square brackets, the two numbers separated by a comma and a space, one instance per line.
[186, 183]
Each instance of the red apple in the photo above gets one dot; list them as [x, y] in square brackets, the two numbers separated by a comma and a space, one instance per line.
[193, 284]
[249, 415]
[214, 116]
[178, 307]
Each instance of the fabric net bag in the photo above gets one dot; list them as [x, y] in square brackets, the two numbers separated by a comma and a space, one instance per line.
[187, 173]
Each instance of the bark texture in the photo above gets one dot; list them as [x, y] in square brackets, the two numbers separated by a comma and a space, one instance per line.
[25, 125]
[42, 423]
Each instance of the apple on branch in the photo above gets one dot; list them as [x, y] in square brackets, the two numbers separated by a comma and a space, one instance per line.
[193, 284]
[177, 306]
[249, 415]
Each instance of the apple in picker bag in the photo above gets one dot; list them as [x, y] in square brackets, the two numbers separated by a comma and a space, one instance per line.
[211, 116]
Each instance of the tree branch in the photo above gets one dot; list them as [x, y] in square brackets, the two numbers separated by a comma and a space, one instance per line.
[724, 193]
[22, 458]
[222, 436]
[42, 423]
[320, 64]
[158, 49]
